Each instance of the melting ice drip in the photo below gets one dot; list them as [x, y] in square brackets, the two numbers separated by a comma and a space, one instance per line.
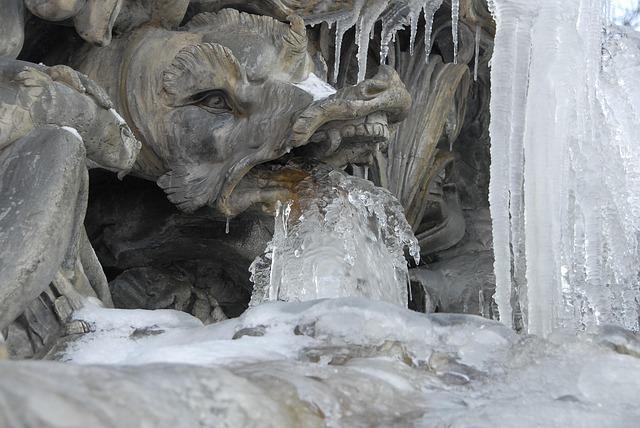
[394, 15]
[349, 240]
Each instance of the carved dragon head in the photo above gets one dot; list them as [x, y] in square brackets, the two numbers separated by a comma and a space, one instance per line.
[231, 93]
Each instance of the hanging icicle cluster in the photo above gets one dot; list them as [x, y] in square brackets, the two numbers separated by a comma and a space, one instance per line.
[394, 16]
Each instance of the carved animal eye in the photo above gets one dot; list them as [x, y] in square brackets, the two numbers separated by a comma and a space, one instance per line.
[213, 101]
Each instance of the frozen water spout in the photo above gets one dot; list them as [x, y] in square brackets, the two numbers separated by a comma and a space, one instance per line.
[343, 237]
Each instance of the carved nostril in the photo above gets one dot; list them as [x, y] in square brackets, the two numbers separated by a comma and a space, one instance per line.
[374, 87]
[385, 79]
[385, 73]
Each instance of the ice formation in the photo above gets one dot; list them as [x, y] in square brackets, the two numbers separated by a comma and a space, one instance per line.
[476, 52]
[565, 181]
[455, 16]
[335, 362]
[347, 239]
[316, 87]
[394, 15]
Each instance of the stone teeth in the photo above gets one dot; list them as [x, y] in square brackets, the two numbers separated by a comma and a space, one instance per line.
[365, 130]
[335, 139]
[368, 129]
[348, 131]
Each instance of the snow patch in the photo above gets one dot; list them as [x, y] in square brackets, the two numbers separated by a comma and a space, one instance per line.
[119, 118]
[73, 132]
[316, 87]
[450, 369]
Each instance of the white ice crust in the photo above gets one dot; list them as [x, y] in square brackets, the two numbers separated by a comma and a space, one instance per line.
[316, 87]
[358, 360]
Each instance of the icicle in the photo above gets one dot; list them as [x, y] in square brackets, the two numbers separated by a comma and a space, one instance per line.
[274, 274]
[366, 172]
[226, 227]
[428, 27]
[340, 30]
[364, 32]
[362, 40]
[413, 19]
[387, 37]
[274, 283]
[455, 10]
[477, 56]
[286, 211]
[429, 11]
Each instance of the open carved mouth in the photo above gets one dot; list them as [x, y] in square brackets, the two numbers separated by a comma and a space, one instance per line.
[343, 130]
[342, 143]
[346, 145]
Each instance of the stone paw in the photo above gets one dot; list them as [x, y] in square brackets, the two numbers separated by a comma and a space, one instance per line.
[68, 76]
[32, 77]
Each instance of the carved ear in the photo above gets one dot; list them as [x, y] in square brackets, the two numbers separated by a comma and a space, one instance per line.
[191, 69]
[278, 9]
[296, 38]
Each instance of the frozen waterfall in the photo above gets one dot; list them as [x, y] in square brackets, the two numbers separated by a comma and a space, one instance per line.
[565, 170]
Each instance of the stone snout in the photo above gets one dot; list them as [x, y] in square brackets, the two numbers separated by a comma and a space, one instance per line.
[347, 127]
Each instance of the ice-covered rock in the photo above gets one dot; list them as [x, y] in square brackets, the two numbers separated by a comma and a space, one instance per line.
[335, 362]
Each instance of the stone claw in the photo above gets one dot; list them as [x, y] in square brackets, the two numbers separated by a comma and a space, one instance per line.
[32, 77]
[81, 83]
[67, 76]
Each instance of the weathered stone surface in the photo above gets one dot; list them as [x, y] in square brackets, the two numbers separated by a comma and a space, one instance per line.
[43, 175]
[54, 123]
[55, 10]
[11, 28]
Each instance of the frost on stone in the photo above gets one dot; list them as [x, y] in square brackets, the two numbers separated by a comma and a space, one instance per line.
[347, 239]
[565, 179]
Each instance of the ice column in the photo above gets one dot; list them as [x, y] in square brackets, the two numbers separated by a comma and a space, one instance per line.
[564, 169]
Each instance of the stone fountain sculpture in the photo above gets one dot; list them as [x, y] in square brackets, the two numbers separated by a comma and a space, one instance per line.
[215, 105]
